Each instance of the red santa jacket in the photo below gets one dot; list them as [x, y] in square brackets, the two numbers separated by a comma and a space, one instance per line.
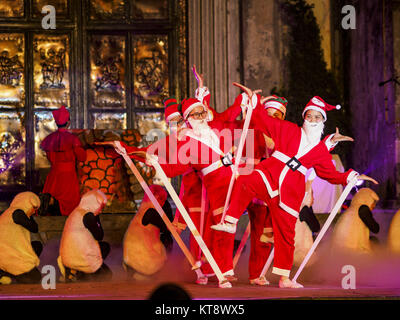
[278, 177]
[194, 153]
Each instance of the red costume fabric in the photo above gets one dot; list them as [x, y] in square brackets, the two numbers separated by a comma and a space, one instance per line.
[281, 187]
[191, 199]
[216, 183]
[259, 251]
[63, 149]
[258, 213]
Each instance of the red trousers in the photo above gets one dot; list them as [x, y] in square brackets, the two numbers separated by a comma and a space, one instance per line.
[191, 197]
[252, 186]
[219, 243]
[195, 215]
[259, 251]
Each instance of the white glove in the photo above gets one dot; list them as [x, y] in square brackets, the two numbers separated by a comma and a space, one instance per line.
[119, 148]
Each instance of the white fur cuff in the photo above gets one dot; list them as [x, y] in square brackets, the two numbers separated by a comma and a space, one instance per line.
[353, 175]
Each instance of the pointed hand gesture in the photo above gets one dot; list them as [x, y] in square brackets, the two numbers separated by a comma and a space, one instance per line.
[248, 91]
[338, 137]
[364, 177]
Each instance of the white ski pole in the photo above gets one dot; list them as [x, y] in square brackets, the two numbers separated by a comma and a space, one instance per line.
[223, 283]
[328, 222]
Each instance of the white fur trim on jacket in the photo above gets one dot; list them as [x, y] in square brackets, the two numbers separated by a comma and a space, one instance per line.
[201, 93]
[328, 142]
[271, 193]
[281, 272]
[353, 174]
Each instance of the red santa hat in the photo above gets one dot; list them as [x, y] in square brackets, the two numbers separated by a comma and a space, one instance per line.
[61, 116]
[171, 108]
[317, 104]
[278, 103]
[188, 105]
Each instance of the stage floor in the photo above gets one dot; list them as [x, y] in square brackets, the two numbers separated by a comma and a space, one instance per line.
[377, 277]
[131, 290]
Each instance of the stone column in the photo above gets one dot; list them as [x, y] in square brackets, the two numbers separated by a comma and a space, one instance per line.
[214, 47]
[262, 45]
[372, 104]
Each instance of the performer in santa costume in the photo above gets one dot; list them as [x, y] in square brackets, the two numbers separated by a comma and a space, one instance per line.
[19, 256]
[228, 117]
[63, 149]
[280, 179]
[203, 150]
[261, 235]
[82, 251]
[261, 232]
[147, 238]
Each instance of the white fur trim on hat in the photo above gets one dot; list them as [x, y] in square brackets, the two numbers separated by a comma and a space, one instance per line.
[276, 105]
[172, 115]
[316, 108]
[318, 102]
[194, 105]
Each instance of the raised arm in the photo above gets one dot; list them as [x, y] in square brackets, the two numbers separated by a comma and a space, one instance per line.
[203, 94]
[260, 120]
[333, 139]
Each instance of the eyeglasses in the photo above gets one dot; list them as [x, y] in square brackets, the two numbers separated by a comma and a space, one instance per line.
[198, 115]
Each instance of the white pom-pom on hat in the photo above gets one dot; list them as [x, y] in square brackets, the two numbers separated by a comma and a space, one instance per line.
[338, 107]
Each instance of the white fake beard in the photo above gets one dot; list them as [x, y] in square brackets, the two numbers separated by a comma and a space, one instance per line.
[199, 126]
[313, 130]
[203, 130]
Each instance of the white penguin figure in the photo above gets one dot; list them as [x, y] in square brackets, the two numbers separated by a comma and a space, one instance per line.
[19, 255]
[351, 232]
[82, 251]
[147, 238]
[393, 238]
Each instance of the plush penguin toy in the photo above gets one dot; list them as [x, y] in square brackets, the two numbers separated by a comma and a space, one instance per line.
[352, 230]
[82, 251]
[147, 239]
[393, 238]
[19, 256]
